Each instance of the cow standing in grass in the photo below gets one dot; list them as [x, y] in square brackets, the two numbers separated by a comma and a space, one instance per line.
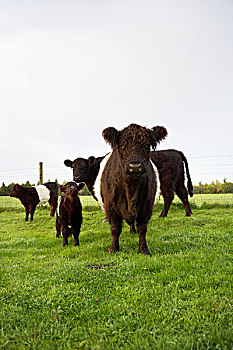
[170, 164]
[30, 197]
[128, 183]
[69, 213]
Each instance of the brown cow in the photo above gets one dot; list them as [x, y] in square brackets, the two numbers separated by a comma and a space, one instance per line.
[31, 196]
[69, 213]
[127, 181]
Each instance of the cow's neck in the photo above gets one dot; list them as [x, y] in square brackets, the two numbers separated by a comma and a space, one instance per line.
[70, 204]
[93, 173]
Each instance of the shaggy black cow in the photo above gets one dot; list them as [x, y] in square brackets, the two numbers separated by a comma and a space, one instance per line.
[170, 164]
[69, 213]
[31, 196]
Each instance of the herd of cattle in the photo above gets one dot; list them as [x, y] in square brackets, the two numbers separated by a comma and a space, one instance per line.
[126, 183]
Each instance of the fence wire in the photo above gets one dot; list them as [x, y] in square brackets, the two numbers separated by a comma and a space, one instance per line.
[204, 169]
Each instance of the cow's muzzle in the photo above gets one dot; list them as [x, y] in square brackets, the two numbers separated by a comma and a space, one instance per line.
[135, 169]
[77, 179]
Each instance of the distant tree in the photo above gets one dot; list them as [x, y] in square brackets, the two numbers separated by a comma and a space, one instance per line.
[27, 184]
[85, 192]
[4, 190]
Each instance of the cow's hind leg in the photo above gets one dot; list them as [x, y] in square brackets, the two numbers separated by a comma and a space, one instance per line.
[58, 227]
[168, 198]
[32, 209]
[132, 228]
[143, 248]
[116, 227]
[183, 195]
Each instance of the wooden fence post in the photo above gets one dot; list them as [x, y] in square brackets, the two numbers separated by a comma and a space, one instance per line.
[40, 173]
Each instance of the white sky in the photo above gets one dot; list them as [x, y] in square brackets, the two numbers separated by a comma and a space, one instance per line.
[69, 69]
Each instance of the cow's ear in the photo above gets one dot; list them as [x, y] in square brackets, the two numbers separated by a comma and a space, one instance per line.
[91, 160]
[80, 185]
[158, 133]
[68, 163]
[61, 188]
[111, 136]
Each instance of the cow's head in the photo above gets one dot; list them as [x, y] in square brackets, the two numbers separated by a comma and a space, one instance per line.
[133, 145]
[71, 189]
[15, 191]
[82, 167]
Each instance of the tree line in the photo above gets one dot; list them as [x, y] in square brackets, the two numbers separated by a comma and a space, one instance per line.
[214, 188]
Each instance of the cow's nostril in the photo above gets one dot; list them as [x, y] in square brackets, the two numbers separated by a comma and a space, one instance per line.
[135, 167]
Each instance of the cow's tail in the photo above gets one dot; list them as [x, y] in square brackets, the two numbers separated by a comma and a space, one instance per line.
[190, 185]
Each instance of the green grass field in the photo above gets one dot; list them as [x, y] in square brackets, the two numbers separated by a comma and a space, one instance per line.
[180, 297]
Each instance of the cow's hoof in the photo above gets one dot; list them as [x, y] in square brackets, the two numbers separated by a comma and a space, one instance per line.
[76, 243]
[144, 251]
[65, 244]
[113, 251]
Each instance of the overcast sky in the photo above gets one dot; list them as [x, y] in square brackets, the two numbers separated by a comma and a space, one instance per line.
[69, 69]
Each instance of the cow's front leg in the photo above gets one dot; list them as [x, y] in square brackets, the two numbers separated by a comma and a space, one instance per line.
[27, 212]
[143, 248]
[53, 207]
[32, 209]
[75, 233]
[65, 233]
[116, 228]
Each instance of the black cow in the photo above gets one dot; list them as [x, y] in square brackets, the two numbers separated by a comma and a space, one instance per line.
[69, 213]
[31, 196]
